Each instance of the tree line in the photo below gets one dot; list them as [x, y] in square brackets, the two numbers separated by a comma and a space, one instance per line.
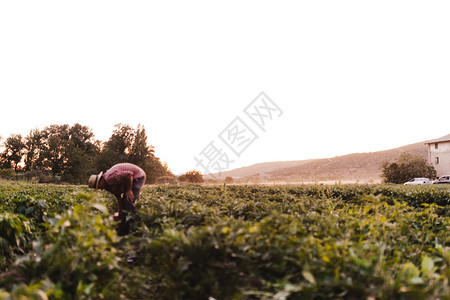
[64, 153]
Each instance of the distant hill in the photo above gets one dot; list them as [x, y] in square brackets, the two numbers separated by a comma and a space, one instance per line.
[260, 168]
[363, 167]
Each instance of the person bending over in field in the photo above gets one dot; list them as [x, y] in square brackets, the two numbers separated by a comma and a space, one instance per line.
[124, 181]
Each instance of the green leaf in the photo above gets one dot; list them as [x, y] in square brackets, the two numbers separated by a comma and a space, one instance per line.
[100, 207]
[427, 266]
[308, 276]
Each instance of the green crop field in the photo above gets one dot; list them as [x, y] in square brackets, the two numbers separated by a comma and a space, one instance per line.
[227, 242]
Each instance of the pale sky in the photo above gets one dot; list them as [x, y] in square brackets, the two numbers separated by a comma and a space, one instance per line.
[349, 76]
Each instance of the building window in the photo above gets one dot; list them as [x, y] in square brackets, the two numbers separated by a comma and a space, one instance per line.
[436, 160]
[436, 145]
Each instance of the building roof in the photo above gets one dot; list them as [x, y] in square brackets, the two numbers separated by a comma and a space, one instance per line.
[445, 138]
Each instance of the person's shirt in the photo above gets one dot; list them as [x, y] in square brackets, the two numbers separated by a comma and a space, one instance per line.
[120, 170]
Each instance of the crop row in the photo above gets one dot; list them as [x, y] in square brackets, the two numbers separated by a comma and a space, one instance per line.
[240, 242]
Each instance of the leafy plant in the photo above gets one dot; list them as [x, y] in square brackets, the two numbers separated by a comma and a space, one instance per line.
[228, 242]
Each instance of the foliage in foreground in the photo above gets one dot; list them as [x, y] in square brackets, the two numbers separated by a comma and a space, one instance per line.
[228, 242]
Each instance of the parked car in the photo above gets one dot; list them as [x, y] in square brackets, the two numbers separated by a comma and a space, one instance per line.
[442, 179]
[418, 181]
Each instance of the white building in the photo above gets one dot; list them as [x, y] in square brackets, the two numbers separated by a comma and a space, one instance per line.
[439, 154]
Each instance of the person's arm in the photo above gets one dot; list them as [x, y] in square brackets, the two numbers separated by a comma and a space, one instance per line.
[119, 201]
[123, 182]
[129, 187]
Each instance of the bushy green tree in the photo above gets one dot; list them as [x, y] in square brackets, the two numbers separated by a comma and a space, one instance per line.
[192, 176]
[56, 139]
[13, 153]
[228, 179]
[407, 167]
[81, 154]
[33, 149]
[62, 150]
[117, 148]
[71, 153]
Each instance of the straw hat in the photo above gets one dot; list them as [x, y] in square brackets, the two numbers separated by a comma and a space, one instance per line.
[94, 179]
